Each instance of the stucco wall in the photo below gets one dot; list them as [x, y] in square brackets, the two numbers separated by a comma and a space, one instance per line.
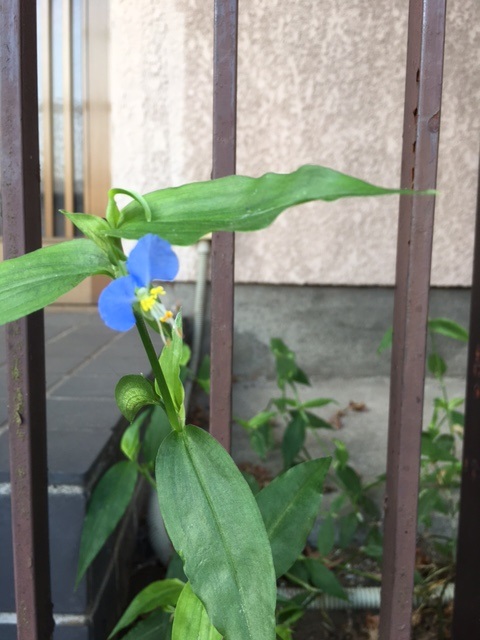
[319, 82]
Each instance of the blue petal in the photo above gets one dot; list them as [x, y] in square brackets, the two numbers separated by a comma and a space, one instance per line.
[115, 304]
[152, 259]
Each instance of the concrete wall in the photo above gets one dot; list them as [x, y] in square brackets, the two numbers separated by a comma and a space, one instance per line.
[319, 82]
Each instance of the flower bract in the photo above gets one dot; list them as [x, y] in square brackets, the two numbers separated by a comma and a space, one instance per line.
[151, 260]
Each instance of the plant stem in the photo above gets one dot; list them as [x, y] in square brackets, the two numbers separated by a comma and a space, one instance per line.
[158, 373]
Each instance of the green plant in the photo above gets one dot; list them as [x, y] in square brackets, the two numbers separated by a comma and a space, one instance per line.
[232, 543]
[351, 514]
[440, 475]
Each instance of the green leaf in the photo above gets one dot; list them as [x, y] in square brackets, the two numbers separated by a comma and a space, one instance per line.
[259, 420]
[324, 579]
[156, 431]
[347, 527]
[109, 501]
[341, 452]
[191, 621]
[438, 449]
[95, 228]
[326, 536]
[171, 360]
[293, 440]
[261, 440]
[448, 328]
[115, 217]
[350, 480]
[130, 442]
[314, 422]
[162, 593]
[436, 365]
[457, 418]
[203, 375]
[317, 403]
[386, 341]
[215, 525]
[289, 506]
[132, 393]
[157, 626]
[252, 482]
[30, 282]
[184, 214]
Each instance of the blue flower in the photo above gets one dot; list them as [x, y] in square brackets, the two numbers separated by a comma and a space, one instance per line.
[151, 259]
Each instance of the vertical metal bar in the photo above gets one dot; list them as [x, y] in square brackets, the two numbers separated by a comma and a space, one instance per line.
[47, 109]
[466, 611]
[20, 190]
[67, 71]
[224, 152]
[426, 32]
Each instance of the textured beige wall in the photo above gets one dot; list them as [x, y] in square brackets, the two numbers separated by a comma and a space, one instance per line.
[319, 82]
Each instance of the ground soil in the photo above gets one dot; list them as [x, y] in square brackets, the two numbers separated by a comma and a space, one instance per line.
[361, 625]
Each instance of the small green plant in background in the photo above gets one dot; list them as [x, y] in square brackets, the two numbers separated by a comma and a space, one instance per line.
[350, 534]
[350, 515]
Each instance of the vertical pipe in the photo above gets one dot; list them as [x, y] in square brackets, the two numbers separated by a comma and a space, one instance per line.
[47, 110]
[466, 611]
[20, 190]
[423, 90]
[224, 151]
[67, 81]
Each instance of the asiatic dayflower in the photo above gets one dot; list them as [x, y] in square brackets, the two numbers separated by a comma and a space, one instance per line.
[152, 259]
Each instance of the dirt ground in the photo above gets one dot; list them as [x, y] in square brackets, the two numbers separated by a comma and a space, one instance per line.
[361, 625]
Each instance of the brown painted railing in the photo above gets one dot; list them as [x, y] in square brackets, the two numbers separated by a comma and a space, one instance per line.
[25, 338]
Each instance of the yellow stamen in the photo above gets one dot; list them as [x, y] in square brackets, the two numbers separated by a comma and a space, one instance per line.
[167, 316]
[148, 303]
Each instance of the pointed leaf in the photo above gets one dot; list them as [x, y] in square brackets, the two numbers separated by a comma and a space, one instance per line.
[157, 429]
[132, 393]
[448, 328]
[182, 215]
[318, 402]
[30, 282]
[161, 593]
[171, 360]
[347, 526]
[293, 440]
[324, 579]
[326, 536]
[289, 506]
[109, 501]
[191, 621]
[130, 442]
[436, 365]
[215, 525]
[95, 228]
[157, 626]
[386, 341]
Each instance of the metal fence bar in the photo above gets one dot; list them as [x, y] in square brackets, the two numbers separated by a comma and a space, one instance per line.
[466, 611]
[224, 151]
[424, 71]
[67, 80]
[25, 338]
[47, 112]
